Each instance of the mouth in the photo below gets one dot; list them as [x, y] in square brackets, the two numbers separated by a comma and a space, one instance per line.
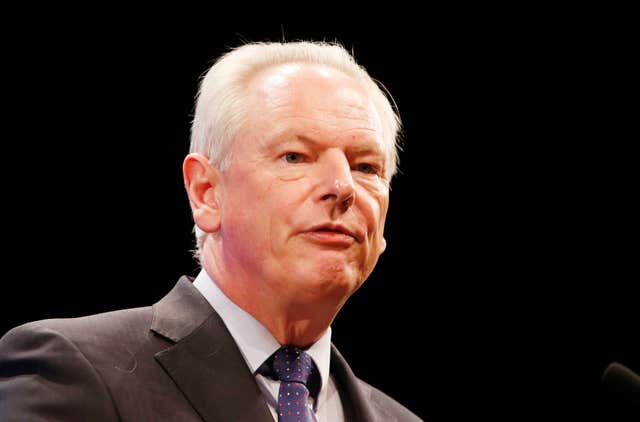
[335, 234]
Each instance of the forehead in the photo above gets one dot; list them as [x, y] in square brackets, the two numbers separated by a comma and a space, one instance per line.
[292, 78]
[311, 95]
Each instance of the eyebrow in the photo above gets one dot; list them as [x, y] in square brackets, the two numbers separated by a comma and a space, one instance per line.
[358, 150]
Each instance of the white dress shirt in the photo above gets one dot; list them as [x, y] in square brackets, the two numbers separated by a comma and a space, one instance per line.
[257, 344]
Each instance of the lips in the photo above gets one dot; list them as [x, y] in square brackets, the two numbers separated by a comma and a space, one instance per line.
[335, 231]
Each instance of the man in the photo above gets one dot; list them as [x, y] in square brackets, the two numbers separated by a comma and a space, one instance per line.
[293, 148]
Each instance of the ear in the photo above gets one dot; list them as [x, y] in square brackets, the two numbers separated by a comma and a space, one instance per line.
[202, 182]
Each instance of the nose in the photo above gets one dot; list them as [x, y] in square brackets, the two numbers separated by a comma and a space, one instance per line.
[336, 181]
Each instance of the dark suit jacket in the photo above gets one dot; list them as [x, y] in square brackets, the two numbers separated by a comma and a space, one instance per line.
[174, 361]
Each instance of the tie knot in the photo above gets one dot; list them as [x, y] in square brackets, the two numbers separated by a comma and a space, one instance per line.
[291, 364]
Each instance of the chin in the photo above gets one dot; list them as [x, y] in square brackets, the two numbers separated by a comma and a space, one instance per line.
[329, 275]
[336, 280]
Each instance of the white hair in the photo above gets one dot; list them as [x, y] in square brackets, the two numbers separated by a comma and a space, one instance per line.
[221, 111]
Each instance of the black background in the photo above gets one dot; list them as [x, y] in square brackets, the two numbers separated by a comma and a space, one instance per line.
[509, 281]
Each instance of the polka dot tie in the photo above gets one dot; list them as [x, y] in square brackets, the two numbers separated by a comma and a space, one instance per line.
[298, 375]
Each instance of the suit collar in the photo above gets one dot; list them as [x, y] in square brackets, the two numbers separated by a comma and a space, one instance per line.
[205, 362]
[180, 312]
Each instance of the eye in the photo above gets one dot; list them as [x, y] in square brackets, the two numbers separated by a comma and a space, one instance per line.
[293, 157]
[367, 168]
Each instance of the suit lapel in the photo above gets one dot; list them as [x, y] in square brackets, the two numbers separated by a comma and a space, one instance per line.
[354, 394]
[207, 366]
[205, 363]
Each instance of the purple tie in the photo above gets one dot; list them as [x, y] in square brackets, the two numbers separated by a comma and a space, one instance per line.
[298, 376]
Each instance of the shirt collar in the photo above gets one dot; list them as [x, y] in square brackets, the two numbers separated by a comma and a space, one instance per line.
[255, 342]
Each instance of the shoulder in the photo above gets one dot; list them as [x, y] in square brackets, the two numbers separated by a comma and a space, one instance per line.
[107, 336]
[387, 405]
[55, 366]
[107, 324]
[113, 338]
[79, 368]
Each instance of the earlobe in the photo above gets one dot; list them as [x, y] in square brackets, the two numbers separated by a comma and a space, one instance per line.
[202, 183]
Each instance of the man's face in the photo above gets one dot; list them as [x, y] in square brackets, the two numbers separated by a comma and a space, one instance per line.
[305, 196]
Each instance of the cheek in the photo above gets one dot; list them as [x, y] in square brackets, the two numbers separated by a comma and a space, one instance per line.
[243, 205]
[375, 209]
[381, 207]
[382, 202]
[266, 207]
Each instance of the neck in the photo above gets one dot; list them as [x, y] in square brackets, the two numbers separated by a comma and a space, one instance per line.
[289, 319]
